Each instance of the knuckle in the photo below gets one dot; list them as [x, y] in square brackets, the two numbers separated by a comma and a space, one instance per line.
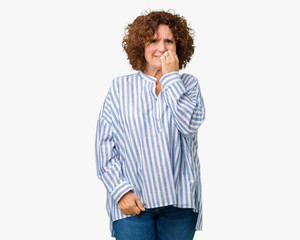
[132, 205]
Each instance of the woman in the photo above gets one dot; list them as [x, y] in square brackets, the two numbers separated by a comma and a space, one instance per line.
[146, 141]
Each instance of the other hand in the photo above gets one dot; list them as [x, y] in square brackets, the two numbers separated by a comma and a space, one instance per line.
[130, 204]
[170, 62]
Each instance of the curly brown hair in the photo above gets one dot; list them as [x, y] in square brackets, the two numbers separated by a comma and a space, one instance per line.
[140, 32]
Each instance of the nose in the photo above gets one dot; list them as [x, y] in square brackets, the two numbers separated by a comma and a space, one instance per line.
[162, 47]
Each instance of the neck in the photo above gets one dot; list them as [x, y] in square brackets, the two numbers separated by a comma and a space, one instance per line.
[157, 73]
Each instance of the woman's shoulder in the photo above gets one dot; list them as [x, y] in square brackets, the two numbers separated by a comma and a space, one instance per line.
[189, 80]
[115, 82]
[123, 78]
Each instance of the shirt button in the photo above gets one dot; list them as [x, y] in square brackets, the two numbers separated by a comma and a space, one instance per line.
[155, 99]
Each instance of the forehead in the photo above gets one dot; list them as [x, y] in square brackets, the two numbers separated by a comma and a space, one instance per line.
[163, 31]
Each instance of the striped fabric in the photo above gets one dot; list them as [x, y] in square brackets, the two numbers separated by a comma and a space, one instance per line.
[148, 143]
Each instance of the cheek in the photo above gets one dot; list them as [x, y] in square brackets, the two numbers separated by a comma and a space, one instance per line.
[148, 52]
[172, 47]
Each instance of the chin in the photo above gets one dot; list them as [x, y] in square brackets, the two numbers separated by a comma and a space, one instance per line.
[159, 66]
[154, 67]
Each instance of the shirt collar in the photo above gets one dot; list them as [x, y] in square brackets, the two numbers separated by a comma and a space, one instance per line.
[147, 77]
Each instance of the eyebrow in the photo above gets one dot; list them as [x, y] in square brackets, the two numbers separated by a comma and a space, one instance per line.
[171, 39]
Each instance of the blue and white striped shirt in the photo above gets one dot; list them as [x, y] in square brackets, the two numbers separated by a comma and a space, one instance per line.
[148, 143]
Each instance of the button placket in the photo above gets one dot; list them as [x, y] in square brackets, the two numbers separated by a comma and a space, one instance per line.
[158, 113]
[157, 110]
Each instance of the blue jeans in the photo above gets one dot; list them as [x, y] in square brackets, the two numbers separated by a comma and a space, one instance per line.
[164, 223]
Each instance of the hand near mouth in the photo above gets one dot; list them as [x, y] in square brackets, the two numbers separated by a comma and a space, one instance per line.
[170, 62]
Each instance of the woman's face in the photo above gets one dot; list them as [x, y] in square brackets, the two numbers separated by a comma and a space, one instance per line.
[161, 41]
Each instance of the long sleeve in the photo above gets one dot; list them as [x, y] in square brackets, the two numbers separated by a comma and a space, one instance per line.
[107, 156]
[186, 106]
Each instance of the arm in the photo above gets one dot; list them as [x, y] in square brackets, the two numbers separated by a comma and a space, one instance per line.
[109, 168]
[187, 107]
[107, 157]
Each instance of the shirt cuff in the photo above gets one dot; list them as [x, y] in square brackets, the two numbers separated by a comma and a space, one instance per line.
[120, 190]
[169, 78]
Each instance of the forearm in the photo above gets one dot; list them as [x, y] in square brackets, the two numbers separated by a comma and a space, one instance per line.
[108, 163]
[187, 107]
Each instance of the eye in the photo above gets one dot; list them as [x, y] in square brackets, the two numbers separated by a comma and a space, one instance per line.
[169, 41]
[153, 41]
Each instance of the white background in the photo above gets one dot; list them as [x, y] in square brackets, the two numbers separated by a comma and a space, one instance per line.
[57, 59]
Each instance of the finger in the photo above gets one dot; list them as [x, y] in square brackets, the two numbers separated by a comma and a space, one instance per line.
[174, 57]
[130, 210]
[136, 210]
[168, 59]
[172, 53]
[139, 204]
[126, 211]
[163, 58]
[168, 56]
